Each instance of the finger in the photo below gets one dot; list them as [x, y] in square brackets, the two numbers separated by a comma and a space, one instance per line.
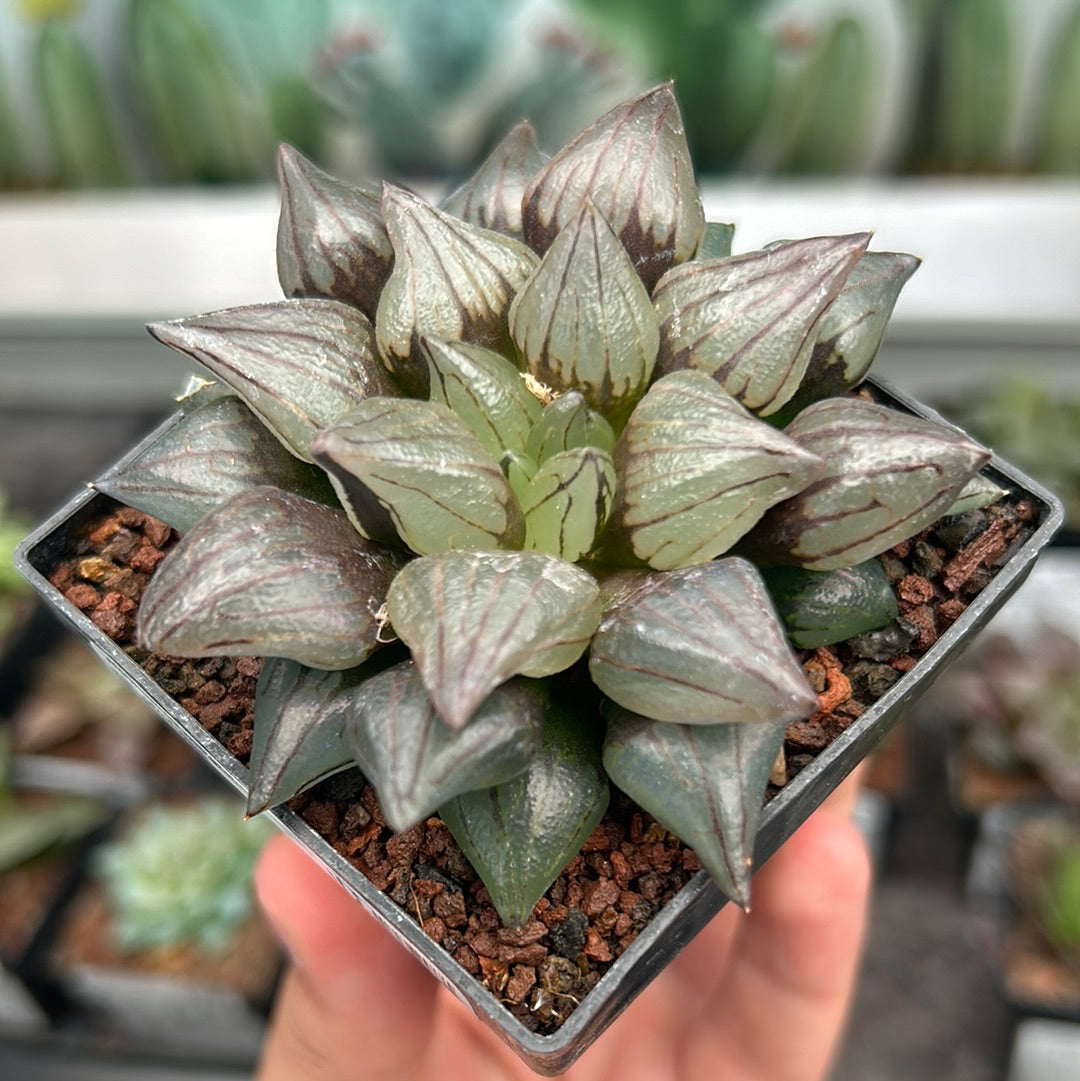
[778, 1012]
[352, 995]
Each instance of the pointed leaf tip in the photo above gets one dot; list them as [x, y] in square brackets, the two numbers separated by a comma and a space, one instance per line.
[416, 762]
[704, 783]
[637, 147]
[474, 619]
[331, 241]
[701, 645]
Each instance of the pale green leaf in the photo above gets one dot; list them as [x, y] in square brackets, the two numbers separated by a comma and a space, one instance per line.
[584, 321]
[702, 645]
[331, 241]
[485, 390]
[491, 198]
[716, 243]
[568, 501]
[299, 737]
[416, 762]
[566, 423]
[413, 470]
[273, 574]
[822, 607]
[888, 475]
[978, 492]
[521, 834]
[696, 471]
[474, 619]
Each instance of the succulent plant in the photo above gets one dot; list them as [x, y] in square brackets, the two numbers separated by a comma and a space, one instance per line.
[181, 875]
[550, 427]
[12, 585]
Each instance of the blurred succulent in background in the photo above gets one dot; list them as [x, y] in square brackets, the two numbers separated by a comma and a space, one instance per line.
[31, 826]
[13, 588]
[1044, 872]
[181, 875]
[1032, 425]
[547, 440]
[1018, 706]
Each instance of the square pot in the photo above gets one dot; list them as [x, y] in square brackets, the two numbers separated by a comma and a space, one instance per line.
[699, 900]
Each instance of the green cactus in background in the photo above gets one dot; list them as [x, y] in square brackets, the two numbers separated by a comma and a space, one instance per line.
[547, 439]
[181, 875]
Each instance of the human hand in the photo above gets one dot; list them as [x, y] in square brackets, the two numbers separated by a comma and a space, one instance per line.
[754, 998]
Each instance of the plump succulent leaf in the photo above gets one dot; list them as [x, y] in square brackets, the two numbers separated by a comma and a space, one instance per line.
[850, 332]
[705, 783]
[697, 470]
[716, 241]
[416, 762]
[568, 501]
[822, 607]
[979, 492]
[298, 364]
[485, 390]
[701, 645]
[521, 834]
[331, 241]
[565, 423]
[210, 454]
[474, 619]
[299, 737]
[450, 280]
[491, 198]
[412, 470]
[750, 321]
[887, 476]
[273, 574]
[635, 166]
[583, 320]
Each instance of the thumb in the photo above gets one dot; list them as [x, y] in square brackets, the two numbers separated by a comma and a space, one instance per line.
[352, 995]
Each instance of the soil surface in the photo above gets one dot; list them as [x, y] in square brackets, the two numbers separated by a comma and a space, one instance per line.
[630, 867]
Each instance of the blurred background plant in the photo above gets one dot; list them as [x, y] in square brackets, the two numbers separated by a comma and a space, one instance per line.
[14, 595]
[115, 92]
[182, 874]
[1034, 426]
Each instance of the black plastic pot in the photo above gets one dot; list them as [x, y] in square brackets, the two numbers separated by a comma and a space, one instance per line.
[677, 923]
